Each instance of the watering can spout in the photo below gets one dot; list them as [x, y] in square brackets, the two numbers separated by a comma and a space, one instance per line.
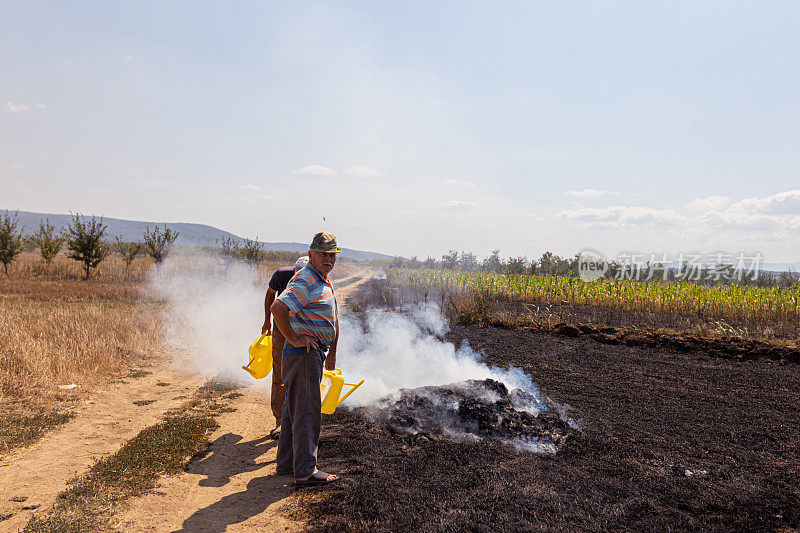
[331, 387]
[354, 387]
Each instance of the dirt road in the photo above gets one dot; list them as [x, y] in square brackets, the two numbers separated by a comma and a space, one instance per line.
[233, 488]
[102, 424]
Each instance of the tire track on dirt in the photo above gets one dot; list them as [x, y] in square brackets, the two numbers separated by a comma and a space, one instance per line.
[103, 423]
[233, 487]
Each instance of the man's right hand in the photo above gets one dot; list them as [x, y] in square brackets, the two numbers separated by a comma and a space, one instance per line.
[265, 329]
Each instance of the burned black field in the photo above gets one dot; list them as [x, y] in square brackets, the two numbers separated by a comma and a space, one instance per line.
[668, 440]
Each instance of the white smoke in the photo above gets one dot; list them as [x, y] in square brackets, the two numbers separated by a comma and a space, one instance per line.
[393, 351]
[214, 311]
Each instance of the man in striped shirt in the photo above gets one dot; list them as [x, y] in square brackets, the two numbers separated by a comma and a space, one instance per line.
[277, 284]
[306, 313]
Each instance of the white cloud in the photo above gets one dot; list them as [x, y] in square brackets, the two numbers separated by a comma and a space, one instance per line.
[794, 223]
[316, 170]
[17, 108]
[782, 203]
[459, 183]
[21, 108]
[127, 58]
[15, 166]
[767, 214]
[98, 190]
[364, 171]
[625, 215]
[709, 203]
[249, 187]
[614, 226]
[585, 193]
[459, 205]
[256, 198]
[739, 221]
[148, 183]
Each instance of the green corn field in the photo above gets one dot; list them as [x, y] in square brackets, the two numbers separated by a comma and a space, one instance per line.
[716, 302]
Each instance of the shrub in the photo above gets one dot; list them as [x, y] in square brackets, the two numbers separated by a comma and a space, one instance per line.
[127, 251]
[85, 242]
[158, 243]
[11, 241]
[48, 242]
[251, 252]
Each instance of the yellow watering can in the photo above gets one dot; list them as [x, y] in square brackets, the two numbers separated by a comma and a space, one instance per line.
[331, 387]
[260, 364]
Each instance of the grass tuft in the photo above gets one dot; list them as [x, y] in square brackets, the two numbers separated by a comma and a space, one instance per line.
[221, 386]
[163, 448]
[19, 430]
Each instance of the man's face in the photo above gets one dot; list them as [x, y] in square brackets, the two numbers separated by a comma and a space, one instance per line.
[322, 261]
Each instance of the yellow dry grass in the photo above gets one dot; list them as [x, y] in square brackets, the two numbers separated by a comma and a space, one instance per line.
[29, 265]
[56, 328]
[83, 341]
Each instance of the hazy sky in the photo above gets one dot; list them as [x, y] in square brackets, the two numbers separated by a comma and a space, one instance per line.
[413, 127]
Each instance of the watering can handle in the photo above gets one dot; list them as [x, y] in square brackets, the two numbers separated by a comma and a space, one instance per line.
[355, 386]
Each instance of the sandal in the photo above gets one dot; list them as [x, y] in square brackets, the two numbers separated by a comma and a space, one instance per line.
[317, 478]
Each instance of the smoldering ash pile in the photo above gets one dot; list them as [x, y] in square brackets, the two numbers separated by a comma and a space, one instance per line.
[474, 410]
[426, 388]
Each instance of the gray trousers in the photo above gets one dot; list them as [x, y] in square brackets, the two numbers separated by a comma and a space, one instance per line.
[302, 411]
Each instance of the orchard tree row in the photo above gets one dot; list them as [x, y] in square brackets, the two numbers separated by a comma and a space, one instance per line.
[84, 240]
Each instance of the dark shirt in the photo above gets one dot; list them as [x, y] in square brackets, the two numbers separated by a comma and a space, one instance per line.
[280, 279]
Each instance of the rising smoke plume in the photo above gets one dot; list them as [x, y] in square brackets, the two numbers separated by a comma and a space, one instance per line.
[393, 351]
[214, 310]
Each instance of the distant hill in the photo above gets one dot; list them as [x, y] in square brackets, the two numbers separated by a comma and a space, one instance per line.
[781, 267]
[196, 235]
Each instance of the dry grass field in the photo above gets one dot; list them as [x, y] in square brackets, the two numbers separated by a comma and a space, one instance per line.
[56, 329]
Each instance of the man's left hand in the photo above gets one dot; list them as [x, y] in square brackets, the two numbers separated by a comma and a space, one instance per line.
[330, 361]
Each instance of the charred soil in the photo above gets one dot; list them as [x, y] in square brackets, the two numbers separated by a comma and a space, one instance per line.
[669, 439]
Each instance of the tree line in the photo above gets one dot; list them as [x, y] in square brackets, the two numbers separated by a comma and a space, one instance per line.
[84, 239]
[550, 264]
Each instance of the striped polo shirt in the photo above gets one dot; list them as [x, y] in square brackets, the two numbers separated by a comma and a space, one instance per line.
[312, 305]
